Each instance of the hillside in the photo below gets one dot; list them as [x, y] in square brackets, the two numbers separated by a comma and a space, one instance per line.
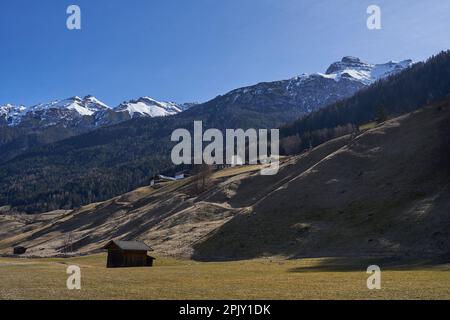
[385, 192]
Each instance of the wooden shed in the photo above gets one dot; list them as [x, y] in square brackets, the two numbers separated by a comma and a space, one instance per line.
[125, 254]
[19, 250]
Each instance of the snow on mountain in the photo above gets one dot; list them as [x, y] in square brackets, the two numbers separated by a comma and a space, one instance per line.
[84, 107]
[12, 114]
[93, 103]
[300, 95]
[309, 92]
[187, 105]
[354, 69]
[147, 106]
[56, 112]
[86, 113]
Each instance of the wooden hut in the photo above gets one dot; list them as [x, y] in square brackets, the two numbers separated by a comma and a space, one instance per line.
[124, 254]
[19, 250]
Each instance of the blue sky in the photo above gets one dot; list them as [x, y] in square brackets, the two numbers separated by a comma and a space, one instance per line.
[194, 50]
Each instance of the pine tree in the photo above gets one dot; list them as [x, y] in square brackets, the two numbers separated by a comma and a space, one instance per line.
[381, 114]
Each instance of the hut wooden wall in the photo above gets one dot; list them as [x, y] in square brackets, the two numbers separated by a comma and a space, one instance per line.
[121, 259]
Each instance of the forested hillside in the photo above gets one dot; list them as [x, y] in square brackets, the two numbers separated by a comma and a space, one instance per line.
[422, 84]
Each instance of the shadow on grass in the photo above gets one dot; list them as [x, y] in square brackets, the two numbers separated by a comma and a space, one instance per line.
[344, 264]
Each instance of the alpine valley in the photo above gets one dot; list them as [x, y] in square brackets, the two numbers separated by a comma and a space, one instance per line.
[349, 193]
[246, 151]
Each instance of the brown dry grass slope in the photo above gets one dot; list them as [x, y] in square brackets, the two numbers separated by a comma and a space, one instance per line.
[384, 194]
[172, 218]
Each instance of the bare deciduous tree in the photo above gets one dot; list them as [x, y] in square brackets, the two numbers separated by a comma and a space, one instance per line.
[68, 243]
[202, 177]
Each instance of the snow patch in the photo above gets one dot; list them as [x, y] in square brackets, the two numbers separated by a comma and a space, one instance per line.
[147, 106]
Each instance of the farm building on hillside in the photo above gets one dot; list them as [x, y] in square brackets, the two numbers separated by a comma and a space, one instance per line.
[123, 254]
[181, 175]
[19, 250]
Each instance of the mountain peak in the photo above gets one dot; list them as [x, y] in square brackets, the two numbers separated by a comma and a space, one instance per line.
[93, 103]
[353, 68]
[148, 107]
[74, 98]
[347, 62]
[351, 59]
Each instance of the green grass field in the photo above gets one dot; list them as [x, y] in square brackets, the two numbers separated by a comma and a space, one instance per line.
[178, 279]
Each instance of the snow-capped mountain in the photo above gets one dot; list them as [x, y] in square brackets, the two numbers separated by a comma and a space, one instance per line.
[354, 69]
[85, 113]
[11, 114]
[55, 112]
[84, 107]
[309, 92]
[147, 106]
[287, 99]
[73, 112]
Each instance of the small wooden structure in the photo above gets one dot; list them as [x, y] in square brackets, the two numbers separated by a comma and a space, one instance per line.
[19, 250]
[125, 254]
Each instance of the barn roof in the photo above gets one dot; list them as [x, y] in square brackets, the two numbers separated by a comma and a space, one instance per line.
[128, 245]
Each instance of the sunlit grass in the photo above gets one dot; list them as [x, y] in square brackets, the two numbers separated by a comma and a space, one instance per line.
[368, 126]
[185, 279]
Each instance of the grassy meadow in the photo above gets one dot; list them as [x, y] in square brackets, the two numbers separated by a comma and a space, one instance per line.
[184, 279]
